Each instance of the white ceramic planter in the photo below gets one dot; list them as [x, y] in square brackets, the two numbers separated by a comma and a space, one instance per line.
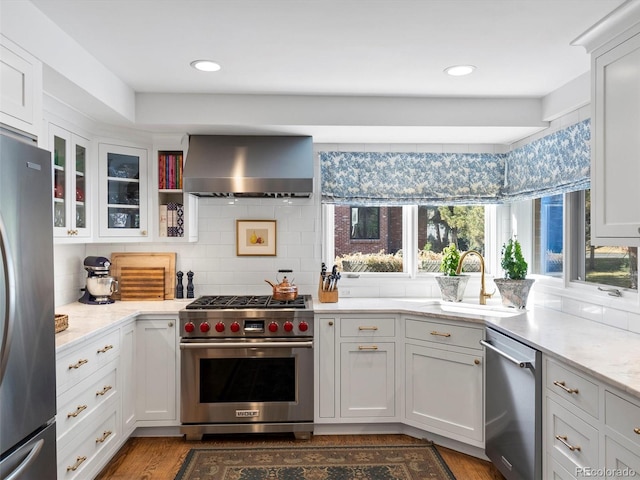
[514, 293]
[452, 287]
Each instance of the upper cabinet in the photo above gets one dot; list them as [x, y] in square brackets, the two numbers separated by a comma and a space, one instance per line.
[123, 177]
[71, 185]
[176, 212]
[20, 88]
[614, 44]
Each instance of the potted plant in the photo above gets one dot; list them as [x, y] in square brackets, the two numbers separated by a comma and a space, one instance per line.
[514, 287]
[451, 285]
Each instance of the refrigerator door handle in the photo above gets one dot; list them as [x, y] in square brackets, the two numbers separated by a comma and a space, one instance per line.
[29, 459]
[9, 286]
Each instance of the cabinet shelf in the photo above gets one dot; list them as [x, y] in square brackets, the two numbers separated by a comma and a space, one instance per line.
[123, 179]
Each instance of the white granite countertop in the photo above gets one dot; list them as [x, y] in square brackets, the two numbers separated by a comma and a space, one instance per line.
[606, 353]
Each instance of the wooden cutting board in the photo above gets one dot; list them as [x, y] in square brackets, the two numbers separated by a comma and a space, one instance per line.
[165, 260]
[141, 283]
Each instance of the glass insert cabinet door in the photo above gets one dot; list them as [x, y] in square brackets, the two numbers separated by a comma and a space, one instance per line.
[123, 191]
[70, 195]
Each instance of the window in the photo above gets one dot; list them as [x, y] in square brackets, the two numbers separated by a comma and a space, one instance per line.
[548, 235]
[365, 223]
[371, 239]
[368, 239]
[440, 226]
[612, 266]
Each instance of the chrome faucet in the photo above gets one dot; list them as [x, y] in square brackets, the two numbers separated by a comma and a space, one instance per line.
[483, 293]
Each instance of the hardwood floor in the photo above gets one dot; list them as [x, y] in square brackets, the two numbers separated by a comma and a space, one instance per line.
[160, 458]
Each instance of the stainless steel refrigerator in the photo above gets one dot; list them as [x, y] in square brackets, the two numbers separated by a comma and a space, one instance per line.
[27, 355]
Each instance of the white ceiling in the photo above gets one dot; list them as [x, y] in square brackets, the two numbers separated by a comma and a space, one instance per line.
[521, 48]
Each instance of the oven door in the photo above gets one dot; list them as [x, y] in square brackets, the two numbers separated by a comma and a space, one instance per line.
[246, 381]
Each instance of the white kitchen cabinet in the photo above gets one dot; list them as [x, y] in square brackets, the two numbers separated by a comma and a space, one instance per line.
[123, 193]
[181, 223]
[156, 370]
[614, 44]
[71, 185]
[367, 379]
[571, 412]
[127, 375]
[356, 375]
[443, 379]
[621, 434]
[88, 390]
[325, 371]
[20, 88]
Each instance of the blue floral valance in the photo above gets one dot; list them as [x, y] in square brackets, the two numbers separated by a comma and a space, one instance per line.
[557, 163]
[554, 164]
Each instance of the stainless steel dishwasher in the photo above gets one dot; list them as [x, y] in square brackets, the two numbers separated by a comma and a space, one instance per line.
[513, 407]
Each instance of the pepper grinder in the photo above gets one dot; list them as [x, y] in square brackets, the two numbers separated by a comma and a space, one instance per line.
[179, 286]
[189, 284]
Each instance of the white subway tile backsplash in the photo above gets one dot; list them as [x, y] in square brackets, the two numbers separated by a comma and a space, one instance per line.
[615, 318]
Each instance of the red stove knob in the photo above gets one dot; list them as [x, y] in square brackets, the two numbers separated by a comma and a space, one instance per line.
[303, 326]
[219, 327]
[189, 327]
[288, 326]
[205, 327]
[273, 327]
[235, 327]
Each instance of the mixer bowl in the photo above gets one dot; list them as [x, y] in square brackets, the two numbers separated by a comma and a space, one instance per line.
[102, 287]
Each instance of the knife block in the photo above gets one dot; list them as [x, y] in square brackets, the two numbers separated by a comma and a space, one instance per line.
[327, 296]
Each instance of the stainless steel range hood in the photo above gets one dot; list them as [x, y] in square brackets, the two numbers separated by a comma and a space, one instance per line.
[249, 166]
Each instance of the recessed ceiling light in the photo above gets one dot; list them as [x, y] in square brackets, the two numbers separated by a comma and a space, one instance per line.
[459, 70]
[205, 65]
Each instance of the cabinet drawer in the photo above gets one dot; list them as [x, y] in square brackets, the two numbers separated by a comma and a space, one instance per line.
[79, 458]
[620, 461]
[622, 416]
[368, 326]
[73, 367]
[76, 406]
[444, 333]
[573, 387]
[571, 440]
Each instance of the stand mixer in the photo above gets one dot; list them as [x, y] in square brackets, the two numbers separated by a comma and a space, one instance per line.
[100, 286]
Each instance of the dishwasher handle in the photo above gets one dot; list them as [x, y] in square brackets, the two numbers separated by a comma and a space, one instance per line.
[521, 364]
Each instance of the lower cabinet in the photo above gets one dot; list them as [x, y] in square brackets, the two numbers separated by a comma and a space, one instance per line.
[356, 379]
[127, 367]
[443, 392]
[443, 378]
[156, 366]
[367, 380]
[89, 387]
[591, 429]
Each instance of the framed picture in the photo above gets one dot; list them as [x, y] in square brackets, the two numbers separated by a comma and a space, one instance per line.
[256, 237]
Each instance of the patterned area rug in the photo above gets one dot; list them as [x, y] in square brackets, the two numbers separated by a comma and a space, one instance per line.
[370, 462]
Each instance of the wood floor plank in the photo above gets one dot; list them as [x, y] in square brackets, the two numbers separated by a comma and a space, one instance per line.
[160, 458]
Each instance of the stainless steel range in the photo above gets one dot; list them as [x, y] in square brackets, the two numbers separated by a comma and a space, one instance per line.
[246, 366]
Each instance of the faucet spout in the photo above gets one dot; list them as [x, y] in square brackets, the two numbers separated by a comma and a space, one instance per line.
[483, 293]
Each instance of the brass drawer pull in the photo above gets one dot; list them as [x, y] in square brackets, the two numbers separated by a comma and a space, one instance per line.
[369, 347]
[104, 390]
[81, 362]
[564, 387]
[105, 349]
[563, 440]
[367, 328]
[636, 430]
[78, 411]
[440, 334]
[104, 436]
[75, 466]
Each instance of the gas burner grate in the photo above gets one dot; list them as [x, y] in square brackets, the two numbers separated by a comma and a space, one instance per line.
[220, 302]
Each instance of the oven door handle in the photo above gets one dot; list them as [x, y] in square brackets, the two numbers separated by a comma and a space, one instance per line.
[188, 345]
